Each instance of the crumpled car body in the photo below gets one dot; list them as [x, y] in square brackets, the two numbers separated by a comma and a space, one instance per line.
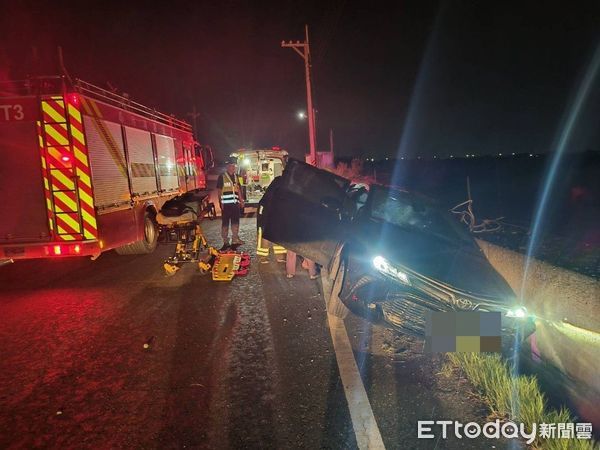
[391, 255]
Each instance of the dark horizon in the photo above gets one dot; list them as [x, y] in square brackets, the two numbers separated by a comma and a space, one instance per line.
[400, 80]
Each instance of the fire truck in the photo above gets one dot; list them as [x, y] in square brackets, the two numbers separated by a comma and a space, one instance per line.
[84, 170]
[257, 169]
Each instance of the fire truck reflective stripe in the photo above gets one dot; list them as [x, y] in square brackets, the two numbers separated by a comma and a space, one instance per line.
[54, 110]
[61, 181]
[56, 134]
[87, 201]
[77, 135]
[68, 222]
[75, 115]
[64, 235]
[59, 158]
[63, 203]
[81, 157]
[82, 167]
[66, 171]
[72, 223]
[47, 194]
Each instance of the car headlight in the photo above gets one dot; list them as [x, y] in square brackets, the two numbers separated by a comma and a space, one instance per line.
[383, 266]
[518, 312]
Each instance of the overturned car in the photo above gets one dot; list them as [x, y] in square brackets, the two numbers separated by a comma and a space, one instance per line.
[391, 255]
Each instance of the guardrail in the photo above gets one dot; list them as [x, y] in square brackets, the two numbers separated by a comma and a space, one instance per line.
[566, 306]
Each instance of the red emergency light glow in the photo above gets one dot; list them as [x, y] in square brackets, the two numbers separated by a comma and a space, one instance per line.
[74, 99]
[65, 158]
[57, 250]
[77, 249]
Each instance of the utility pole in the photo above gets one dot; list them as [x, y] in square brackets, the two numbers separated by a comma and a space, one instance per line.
[303, 49]
[194, 115]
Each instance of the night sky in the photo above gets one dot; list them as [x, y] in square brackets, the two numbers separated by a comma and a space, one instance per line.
[415, 78]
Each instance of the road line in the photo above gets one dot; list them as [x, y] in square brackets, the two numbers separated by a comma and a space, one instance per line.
[363, 421]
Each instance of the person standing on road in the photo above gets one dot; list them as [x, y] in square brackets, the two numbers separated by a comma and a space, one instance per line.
[263, 246]
[231, 202]
[290, 266]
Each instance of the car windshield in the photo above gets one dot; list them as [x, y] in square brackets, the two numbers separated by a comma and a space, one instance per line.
[408, 211]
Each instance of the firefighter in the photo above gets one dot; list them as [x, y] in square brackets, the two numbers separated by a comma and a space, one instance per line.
[230, 199]
[263, 246]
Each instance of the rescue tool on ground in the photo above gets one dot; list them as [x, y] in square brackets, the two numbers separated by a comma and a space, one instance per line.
[84, 170]
[179, 221]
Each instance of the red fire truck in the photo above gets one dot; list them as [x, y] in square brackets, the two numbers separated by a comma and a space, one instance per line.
[83, 170]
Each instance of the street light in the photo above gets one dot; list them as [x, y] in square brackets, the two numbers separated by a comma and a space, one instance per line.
[301, 115]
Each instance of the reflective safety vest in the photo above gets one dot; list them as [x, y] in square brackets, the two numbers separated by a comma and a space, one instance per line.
[262, 246]
[229, 193]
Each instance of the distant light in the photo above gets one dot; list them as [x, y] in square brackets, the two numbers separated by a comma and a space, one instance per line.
[451, 156]
[513, 154]
[65, 158]
[434, 156]
[531, 154]
[301, 115]
[386, 159]
[499, 154]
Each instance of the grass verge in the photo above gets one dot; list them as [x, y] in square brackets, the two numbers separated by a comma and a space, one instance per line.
[516, 398]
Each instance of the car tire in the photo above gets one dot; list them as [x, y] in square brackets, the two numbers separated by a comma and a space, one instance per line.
[335, 306]
[146, 245]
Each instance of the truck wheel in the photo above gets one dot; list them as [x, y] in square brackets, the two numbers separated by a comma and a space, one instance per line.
[146, 245]
[335, 306]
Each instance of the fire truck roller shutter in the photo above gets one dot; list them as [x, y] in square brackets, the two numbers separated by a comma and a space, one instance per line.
[141, 159]
[107, 161]
[167, 168]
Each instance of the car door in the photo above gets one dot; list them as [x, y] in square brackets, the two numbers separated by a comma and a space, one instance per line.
[304, 211]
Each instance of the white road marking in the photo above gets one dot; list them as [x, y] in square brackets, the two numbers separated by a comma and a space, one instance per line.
[363, 421]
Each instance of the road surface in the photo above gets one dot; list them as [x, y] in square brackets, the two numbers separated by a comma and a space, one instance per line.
[248, 364]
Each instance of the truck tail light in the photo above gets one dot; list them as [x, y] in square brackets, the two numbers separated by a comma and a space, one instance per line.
[64, 250]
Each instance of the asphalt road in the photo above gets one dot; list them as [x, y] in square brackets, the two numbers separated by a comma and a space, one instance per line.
[229, 365]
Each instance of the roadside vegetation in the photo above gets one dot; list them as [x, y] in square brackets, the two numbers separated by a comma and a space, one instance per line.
[516, 398]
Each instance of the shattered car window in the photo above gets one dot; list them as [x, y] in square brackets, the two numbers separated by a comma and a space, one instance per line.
[416, 214]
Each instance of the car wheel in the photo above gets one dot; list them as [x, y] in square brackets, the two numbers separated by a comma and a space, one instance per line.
[147, 244]
[335, 306]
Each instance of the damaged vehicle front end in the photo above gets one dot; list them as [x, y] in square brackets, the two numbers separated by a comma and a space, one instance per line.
[392, 256]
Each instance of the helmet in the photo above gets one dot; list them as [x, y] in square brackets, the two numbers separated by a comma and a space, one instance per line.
[231, 160]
